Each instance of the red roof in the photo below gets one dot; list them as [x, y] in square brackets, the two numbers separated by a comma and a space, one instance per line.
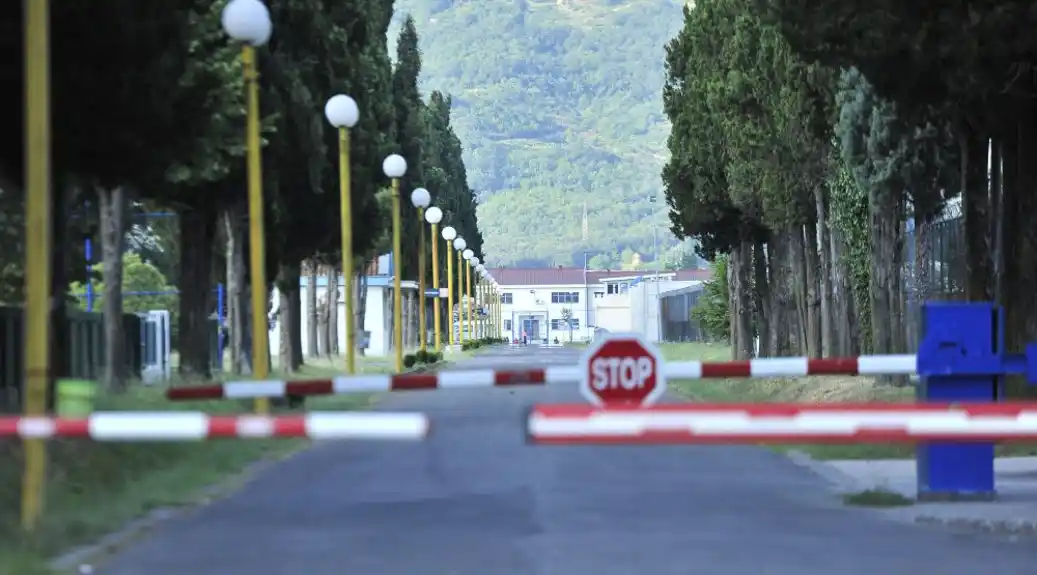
[575, 276]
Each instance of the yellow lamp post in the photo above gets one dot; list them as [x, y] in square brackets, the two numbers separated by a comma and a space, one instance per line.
[476, 299]
[480, 299]
[36, 328]
[491, 303]
[468, 254]
[450, 234]
[248, 22]
[394, 167]
[433, 216]
[342, 113]
[459, 247]
[421, 200]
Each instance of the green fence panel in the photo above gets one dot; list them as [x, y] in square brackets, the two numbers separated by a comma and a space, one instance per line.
[85, 351]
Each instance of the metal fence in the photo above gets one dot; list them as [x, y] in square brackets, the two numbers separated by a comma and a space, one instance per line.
[675, 313]
[86, 343]
[934, 267]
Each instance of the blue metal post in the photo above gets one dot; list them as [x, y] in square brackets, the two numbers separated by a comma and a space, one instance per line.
[89, 252]
[219, 321]
[960, 359]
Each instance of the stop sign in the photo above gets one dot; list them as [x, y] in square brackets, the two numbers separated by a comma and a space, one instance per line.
[622, 369]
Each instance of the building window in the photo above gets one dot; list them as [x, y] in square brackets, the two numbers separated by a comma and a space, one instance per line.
[617, 288]
[505, 298]
[507, 324]
[565, 297]
[599, 294]
[562, 325]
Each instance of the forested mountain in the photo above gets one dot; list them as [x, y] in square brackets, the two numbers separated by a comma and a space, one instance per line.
[559, 105]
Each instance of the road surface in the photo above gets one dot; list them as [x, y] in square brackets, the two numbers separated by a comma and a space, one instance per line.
[476, 500]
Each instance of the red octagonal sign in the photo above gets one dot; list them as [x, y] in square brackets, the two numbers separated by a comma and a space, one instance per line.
[622, 370]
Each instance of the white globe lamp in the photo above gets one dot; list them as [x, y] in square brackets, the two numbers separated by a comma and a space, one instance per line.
[420, 198]
[394, 166]
[247, 21]
[433, 216]
[341, 111]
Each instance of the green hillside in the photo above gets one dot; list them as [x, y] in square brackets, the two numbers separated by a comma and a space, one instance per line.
[558, 103]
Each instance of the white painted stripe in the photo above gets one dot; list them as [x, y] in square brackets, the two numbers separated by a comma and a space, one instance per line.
[148, 426]
[683, 370]
[562, 374]
[887, 364]
[466, 378]
[361, 383]
[380, 425]
[778, 367]
[257, 388]
[36, 427]
[252, 426]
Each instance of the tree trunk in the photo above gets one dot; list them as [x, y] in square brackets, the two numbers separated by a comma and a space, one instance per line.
[799, 279]
[976, 207]
[405, 320]
[237, 305]
[1019, 203]
[112, 204]
[813, 296]
[60, 343]
[198, 229]
[882, 206]
[845, 322]
[761, 299]
[732, 302]
[333, 294]
[828, 338]
[295, 319]
[740, 264]
[244, 363]
[360, 309]
[311, 309]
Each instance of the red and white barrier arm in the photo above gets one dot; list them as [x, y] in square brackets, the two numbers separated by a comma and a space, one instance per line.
[781, 423]
[378, 383]
[794, 367]
[770, 367]
[188, 426]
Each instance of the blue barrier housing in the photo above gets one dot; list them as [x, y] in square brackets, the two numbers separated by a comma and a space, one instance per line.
[961, 359]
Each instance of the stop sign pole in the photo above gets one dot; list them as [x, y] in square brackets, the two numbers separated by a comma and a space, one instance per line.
[624, 369]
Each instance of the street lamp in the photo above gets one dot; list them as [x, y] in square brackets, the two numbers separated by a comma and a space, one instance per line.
[491, 301]
[433, 216]
[38, 240]
[480, 299]
[472, 287]
[248, 22]
[394, 167]
[421, 200]
[450, 234]
[467, 254]
[342, 113]
[459, 246]
[497, 313]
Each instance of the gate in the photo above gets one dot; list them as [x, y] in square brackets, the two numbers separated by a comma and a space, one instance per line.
[155, 346]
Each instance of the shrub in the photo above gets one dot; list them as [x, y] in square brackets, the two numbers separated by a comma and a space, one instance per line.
[421, 356]
[409, 360]
[433, 358]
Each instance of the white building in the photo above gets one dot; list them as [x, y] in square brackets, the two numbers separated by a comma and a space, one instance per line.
[377, 316]
[559, 303]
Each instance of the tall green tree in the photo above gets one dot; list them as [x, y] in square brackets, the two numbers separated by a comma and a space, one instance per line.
[410, 138]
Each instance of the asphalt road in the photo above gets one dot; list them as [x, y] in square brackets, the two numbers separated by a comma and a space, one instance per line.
[476, 500]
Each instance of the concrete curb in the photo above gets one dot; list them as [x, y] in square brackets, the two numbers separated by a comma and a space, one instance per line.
[921, 513]
[841, 482]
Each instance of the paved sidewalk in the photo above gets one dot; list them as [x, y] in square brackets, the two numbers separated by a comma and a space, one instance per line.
[1014, 511]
